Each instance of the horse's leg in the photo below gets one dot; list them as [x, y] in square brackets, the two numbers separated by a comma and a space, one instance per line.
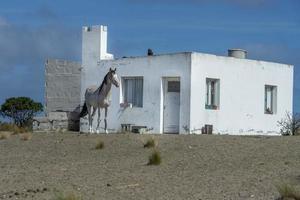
[105, 120]
[92, 117]
[99, 120]
[89, 113]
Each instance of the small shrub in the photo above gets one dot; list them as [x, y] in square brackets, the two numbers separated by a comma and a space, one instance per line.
[66, 196]
[26, 136]
[13, 128]
[290, 125]
[4, 135]
[21, 110]
[18, 130]
[154, 158]
[99, 145]
[7, 127]
[287, 191]
[150, 143]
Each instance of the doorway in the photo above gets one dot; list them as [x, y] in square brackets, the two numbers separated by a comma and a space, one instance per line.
[171, 104]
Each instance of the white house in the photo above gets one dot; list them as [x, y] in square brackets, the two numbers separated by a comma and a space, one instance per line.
[188, 92]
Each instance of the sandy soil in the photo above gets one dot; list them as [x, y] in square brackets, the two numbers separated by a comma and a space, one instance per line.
[193, 166]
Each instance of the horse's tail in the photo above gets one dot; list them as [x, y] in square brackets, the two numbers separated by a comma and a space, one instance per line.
[84, 111]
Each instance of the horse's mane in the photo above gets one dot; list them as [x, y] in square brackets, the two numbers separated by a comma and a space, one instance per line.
[103, 82]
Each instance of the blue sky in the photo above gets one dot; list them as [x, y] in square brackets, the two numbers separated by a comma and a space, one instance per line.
[32, 31]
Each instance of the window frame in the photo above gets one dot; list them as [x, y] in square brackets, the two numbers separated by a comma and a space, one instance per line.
[212, 94]
[124, 90]
[273, 100]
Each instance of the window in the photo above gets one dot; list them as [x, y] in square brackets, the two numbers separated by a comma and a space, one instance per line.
[173, 86]
[270, 99]
[133, 91]
[212, 94]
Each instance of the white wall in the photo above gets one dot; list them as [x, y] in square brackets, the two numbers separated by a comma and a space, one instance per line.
[242, 84]
[153, 69]
[94, 49]
[94, 43]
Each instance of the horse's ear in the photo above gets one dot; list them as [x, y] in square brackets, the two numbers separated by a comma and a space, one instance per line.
[115, 70]
[110, 69]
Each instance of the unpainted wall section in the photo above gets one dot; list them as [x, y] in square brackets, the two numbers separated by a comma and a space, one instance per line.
[62, 85]
[242, 85]
[152, 69]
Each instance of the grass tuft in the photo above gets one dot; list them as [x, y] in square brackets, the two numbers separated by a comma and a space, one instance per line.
[150, 143]
[25, 136]
[4, 135]
[99, 145]
[67, 196]
[154, 158]
[287, 191]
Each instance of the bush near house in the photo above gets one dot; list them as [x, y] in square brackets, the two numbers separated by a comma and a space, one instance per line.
[290, 125]
[20, 110]
[9, 127]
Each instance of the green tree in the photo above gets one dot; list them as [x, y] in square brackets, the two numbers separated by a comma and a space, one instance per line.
[21, 110]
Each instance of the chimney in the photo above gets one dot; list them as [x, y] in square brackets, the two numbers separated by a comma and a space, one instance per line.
[94, 43]
[103, 44]
[237, 53]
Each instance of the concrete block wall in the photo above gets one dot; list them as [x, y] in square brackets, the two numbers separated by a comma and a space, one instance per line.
[62, 85]
[62, 89]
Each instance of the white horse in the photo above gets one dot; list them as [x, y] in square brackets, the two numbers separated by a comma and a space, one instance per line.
[99, 97]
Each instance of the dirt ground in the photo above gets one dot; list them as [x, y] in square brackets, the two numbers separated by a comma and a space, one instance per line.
[193, 166]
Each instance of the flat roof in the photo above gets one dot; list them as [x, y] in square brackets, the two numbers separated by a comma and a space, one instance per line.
[206, 54]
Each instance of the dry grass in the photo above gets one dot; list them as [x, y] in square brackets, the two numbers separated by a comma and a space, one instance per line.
[13, 128]
[4, 135]
[99, 145]
[9, 129]
[18, 130]
[26, 136]
[67, 196]
[154, 158]
[150, 143]
[287, 191]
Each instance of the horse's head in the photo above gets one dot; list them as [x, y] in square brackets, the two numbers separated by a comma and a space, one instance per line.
[113, 77]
